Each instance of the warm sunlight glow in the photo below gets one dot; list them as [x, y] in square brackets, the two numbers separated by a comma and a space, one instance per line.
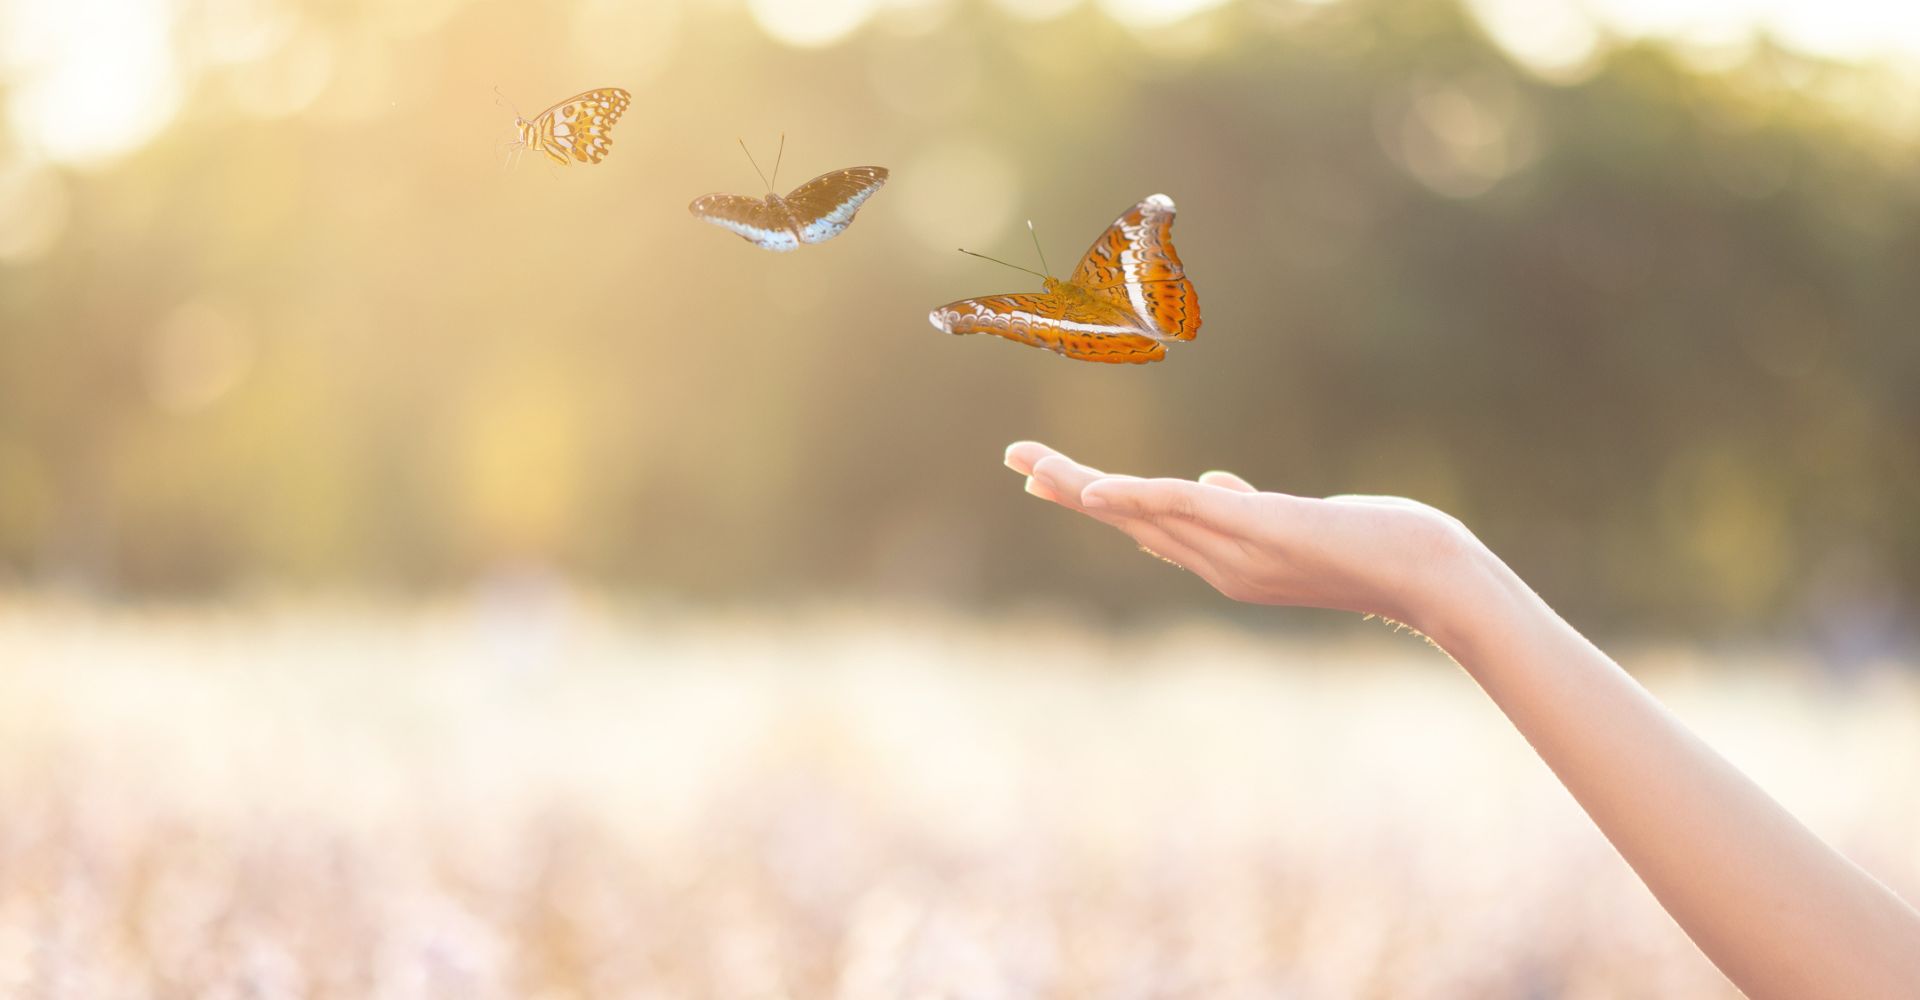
[1840, 29]
[962, 192]
[638, 36]
[33, 210]
[1037, 10]
[286, 82]
[90, 79]
[811, 23]
[1561, 41]
[1155, 13]
[199, 353]
[1556, 39]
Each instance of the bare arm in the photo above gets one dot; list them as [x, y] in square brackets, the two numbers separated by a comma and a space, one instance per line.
[1780, 912]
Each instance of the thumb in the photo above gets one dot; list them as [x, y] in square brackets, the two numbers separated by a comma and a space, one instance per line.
[1227, 481]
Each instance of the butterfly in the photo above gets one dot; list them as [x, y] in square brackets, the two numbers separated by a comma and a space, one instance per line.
[814, 212]
[579, 127]
[1128, 298]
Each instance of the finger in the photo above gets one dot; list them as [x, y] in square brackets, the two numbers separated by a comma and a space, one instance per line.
[1067, 478]
[1226, 481]
[1166, 547]
[1057, 478]
[1060, 479]
[1039, 488]
[1021, 455]
[1163, 499]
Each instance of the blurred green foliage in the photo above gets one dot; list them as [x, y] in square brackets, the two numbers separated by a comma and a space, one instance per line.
[1652, 333]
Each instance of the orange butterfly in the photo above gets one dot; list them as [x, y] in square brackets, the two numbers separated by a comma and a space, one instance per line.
[1125, 301]
[579, 127]
[814, 212]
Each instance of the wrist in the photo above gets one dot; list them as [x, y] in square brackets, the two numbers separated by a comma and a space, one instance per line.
[1470, 592]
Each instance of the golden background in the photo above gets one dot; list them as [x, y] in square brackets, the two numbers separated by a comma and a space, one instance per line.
[423, 575]
[1642, 313]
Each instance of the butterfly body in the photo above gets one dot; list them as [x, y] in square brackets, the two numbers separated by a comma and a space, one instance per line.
[814, 212]
[578, 128]
[786, 220]
[1086, 307]
[1123, 304]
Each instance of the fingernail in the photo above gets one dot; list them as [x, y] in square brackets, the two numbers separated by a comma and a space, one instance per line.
[1094, 500]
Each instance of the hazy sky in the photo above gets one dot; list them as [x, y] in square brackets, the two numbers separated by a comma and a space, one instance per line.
[88, 80]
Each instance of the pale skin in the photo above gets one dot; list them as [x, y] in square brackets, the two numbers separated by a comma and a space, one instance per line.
[1780, 912]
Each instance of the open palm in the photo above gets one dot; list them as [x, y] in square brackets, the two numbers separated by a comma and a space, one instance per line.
[1376, 555]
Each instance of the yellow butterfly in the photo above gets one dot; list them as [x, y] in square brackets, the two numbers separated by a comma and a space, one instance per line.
[579, 127]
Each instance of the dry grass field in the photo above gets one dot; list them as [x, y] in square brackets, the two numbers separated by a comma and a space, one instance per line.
[529, 795]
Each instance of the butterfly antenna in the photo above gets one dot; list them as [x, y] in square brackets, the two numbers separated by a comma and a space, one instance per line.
[1036, 248]
[498, 97]
[1003, 263]
[756, 165]
[776, 161]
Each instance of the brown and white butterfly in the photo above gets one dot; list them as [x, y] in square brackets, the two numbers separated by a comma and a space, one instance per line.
[578, 128]
[1125, 302]
[814, 212]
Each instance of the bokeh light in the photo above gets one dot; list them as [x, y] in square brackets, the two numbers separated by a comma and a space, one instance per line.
[336, 191]
[1556, 39]
[1458, 137]
[1155, 13]
[89, 79]
[811, 22]
[1837, 29]
[199, 354]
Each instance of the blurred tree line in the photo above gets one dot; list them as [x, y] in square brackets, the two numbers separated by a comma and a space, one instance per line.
[1651, 331]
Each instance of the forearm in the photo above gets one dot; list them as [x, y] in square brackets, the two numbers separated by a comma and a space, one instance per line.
[1780, 912]
[1775, 908]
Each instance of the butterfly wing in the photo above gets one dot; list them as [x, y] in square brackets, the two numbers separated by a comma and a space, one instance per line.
[824, 207]
[753, 219]
[1053, 322]
[1133, 264]
[581, 126]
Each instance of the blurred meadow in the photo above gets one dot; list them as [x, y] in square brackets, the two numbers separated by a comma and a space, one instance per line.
[564, 800]
[425, 574]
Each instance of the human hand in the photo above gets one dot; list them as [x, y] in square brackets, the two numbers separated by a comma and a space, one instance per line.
[1716, 851]
[1385, 556]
